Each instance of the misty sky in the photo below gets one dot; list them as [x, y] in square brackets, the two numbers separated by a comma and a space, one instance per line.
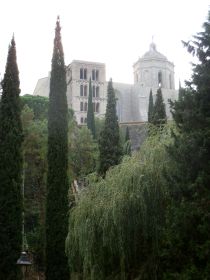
[111, 31]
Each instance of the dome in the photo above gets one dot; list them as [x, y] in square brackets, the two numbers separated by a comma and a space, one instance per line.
[153, 53]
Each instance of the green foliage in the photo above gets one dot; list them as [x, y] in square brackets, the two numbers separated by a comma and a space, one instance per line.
[34, 150]
[187, 235]
[99, 125]
[110, 150]
[150, 108]
[127, 144]
[38, 104]
[57, 180]
[159, 112]
[90, 112]
[83, 152]
[115, 229]
[10, 170]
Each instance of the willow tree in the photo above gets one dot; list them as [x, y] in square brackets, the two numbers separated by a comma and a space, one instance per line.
[109, 143]
[57, 180]
[10, 169]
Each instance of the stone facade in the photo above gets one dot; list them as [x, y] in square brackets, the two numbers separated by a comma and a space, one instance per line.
[151, 71]
[78, 75]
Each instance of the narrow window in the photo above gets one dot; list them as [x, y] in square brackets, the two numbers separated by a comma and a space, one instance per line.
[97, 91]
[170, 82]
[85, 109]
[97, 75]
[81, 73]
[81, 120]
[81, 90]
[81, 106]
[93, 75]
[97, 107]
[160, 81]
[94, 91]
[85, 74]
[85, 90]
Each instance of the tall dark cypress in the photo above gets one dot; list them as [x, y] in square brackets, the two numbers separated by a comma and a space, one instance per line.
[150, 108]
[57, 180]
[90, 112]
[109, 143]
[127, 144]
[10, 170]
[159, 111]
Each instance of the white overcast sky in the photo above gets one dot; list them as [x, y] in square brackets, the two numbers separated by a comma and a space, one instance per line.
[115, 32]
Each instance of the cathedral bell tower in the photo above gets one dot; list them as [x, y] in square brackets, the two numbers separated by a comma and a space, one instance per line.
[153, 70]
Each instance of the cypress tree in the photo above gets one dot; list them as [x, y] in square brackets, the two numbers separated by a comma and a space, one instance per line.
[10, 170]
[159, 111]
[150, 108]
[127, 144]
[110, 150]
[57, 180]
[90, 113]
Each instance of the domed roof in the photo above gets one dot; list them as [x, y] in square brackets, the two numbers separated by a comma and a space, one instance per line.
[153, 53]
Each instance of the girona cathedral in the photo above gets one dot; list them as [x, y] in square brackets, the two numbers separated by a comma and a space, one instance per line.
[151, 71]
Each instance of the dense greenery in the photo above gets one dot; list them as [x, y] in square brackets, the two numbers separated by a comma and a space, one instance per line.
[83, 152]
[57, 180]
[38, 104]
[35, 167]
[110, 150]
[11, 138]
[127, 143]
[90, 112]
[115, 229]
[158, 117]
[188, 255]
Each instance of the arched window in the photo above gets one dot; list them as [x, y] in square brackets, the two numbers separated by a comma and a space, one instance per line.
[81, 106]
[170, 82]
[97, 107]
[85, 90]
[81, 90]
[97, 75]
[85, 109]
[85, 74]
[160, 79]
[97, 91]
[81, 73]
[81, 120]
[93, 75]
[94, 91]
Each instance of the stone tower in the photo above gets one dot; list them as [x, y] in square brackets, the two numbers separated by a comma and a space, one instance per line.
[151, 71]
[78, 74]
[154, 70]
